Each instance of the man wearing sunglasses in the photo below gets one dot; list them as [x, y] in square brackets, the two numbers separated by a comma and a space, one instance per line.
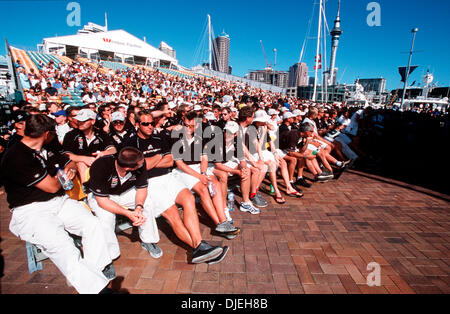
[166, 191]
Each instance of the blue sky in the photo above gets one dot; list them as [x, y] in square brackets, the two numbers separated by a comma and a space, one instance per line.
[364, 51]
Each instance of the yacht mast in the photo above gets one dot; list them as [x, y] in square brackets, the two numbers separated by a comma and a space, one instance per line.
[317, 51]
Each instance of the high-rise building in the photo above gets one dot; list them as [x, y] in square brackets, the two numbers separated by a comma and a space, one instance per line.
[298, 75]
[269, 76]
[336, 33]
[221, 54]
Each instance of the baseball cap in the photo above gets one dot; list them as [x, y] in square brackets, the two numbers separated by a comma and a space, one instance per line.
[210, 116]
[197, 108]
[60, 113]
[288, 115]
[272, 112]
[296, 113]
[231, 127]
[85, 114]
[117, 116]
[172, 105]
[19, 115]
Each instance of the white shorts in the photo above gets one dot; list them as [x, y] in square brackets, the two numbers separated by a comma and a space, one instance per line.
[281, 153]
[266, 156]
[311, 147]
[163, 191]
[188, 180]
[323, 145]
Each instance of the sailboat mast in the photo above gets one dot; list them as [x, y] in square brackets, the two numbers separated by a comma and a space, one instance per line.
[209, 41]
[317, 51]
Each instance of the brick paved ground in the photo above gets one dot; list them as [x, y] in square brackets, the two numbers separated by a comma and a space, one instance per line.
[319, 244]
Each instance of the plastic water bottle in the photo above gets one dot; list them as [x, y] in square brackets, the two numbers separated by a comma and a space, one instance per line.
[231, 198]
[66, 183]
[212, 190]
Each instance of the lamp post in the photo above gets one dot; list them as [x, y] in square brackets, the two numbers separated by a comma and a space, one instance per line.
[274, 65]
[414, 31]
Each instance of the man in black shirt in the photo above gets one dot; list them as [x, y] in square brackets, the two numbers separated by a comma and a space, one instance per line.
[85, 144]
[119, 132]
[195, 173]
[43, 215]
[118, 186]
[166, 191]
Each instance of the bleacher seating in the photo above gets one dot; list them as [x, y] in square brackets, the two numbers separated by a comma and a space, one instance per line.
[36, 57]
[28, 64]
[114, 65]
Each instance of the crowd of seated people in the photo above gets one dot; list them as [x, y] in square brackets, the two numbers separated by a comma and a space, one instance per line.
[144, 142]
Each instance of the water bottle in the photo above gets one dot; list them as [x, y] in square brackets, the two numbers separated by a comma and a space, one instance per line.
[211, 189]
[231, 201]
[66, 183]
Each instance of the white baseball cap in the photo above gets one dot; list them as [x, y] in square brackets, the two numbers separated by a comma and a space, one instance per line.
[210, 116]
[85, 114]
[231, 127]
[117, 116]
[197, 108]
[288, 115]
[272, 112]
[296, 113]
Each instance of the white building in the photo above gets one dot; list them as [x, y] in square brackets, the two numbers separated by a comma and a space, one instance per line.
[117, 45]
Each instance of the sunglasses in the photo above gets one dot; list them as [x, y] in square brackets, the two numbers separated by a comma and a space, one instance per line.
[148, 123]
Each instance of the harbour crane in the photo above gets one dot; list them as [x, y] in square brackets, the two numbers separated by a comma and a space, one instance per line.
[265, 55]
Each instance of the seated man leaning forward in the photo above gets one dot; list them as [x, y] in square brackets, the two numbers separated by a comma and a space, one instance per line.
[43, 214]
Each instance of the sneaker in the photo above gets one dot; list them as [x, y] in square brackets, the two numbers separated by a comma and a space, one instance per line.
[258, 201]
[325, 175]
[153, 248]
[227, 227]
[205, 253]
[110, 272]
[249, 208]
[302, 182]
[220, 257]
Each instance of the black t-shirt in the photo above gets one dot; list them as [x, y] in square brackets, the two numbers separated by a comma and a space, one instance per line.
[156, 144]
[22, 168]
[119, 139]
[190, 151]
[234, 151]
[104, 179]
[75, 142]
[51, 91]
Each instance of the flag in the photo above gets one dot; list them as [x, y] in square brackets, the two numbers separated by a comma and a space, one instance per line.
[402, 71]
[318, 62]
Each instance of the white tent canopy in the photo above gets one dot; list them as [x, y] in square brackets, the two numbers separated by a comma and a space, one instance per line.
[118, 42]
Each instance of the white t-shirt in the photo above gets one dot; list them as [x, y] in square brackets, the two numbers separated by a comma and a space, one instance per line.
[352, 128]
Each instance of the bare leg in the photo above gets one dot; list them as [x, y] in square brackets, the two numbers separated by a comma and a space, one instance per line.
[174, 219]
[207, 202]
[190, 215]
[222, 176]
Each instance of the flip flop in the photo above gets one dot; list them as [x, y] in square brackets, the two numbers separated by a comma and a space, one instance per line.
[280, 200]
[295, 195]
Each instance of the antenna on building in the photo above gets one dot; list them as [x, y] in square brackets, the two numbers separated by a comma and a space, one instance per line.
[106, 22]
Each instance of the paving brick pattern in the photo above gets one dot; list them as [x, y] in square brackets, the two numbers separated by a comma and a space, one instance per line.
[320, 244]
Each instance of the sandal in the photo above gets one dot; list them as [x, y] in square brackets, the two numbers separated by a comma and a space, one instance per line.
[295, 195]
[280, 200]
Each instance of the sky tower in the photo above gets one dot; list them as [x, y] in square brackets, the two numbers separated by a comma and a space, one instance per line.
[336, 33]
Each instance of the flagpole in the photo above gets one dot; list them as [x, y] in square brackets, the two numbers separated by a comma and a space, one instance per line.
[317, 52]
[414, 31]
